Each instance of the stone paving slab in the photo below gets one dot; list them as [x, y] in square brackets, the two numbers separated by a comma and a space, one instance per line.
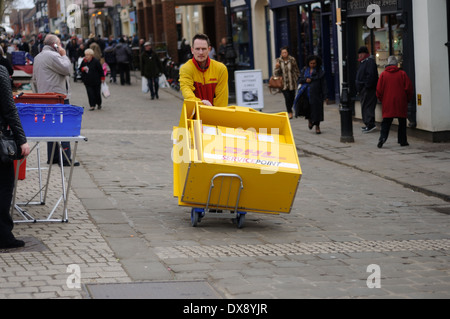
[357, 206]
[46, 267]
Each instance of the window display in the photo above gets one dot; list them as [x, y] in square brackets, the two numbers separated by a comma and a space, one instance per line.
[381, 42]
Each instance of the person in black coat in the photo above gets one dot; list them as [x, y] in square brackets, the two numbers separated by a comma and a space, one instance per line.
[366, 85]
[314, 91]
[123, 59]
[92, 75]
[9, 117]
[72, 53]
[151, 68]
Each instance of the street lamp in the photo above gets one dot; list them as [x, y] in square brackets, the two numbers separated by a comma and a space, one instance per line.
[344, 108]
[230, 54]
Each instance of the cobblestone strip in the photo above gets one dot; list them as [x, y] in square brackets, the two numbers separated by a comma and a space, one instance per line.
[58, 258]
[300, 248]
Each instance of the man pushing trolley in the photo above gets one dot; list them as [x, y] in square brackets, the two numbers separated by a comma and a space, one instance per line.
[229, 161]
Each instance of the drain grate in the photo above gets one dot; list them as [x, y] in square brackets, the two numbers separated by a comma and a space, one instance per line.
[32, 244]
[154, 290]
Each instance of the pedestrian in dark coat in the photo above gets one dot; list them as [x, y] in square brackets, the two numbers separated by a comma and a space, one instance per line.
[9, 118]
[151, 68]
[123, 58]
[394, 90]
[314, 90]
[366, 85]
[72, 53]
[92, 75]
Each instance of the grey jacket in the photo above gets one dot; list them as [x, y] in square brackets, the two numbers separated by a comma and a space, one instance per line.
[51, 72]
[123, 53]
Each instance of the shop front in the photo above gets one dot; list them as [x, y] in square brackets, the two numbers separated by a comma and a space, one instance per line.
[242, 33]
[309, 28]
[385, 33]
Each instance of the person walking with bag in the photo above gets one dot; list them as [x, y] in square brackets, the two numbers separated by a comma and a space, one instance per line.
[394, 90]
[151, 69]
[93, 76]
[313, 91]
[9, 118]
[286, 67]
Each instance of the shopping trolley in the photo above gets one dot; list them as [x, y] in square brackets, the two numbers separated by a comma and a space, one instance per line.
[230, 161]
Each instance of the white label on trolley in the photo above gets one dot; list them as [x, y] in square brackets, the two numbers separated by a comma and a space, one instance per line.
[244, 160]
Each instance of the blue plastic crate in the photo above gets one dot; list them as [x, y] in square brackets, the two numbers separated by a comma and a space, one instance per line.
[44, 120]
[18, 58]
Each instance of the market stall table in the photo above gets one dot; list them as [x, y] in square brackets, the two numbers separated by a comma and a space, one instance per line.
[43, 190]
[21, 77]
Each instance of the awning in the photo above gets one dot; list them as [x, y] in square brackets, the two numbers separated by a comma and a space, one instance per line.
[5, 28]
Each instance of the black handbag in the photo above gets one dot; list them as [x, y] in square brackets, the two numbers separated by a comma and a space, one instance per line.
[9, 151]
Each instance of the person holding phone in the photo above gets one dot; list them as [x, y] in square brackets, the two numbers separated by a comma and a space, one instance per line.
[51, 71]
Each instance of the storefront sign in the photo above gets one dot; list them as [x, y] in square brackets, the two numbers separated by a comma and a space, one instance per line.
[237, 3]
[249, 88]
[359, 7]
[284, 3]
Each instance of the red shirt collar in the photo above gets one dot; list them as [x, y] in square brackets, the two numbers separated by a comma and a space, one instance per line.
[208, 61]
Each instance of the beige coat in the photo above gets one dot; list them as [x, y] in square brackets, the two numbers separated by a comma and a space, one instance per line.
[51, 72]
[289, 71]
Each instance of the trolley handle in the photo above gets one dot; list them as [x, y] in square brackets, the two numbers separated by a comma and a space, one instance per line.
[225, 175]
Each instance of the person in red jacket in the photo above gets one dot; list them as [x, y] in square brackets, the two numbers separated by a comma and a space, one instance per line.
[394, 90]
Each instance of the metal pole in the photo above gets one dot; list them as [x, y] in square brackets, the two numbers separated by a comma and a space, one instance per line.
[230, 55]
[344, 109]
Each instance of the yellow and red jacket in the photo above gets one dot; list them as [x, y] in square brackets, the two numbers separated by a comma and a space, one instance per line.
[209, 84]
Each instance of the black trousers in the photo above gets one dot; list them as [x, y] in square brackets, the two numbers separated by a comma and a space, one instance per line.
[94, 93]
[66, 149]
[386, 127]
[124, 71]
[289, 98]
[6, 193]
[368, 105]
[153, 85]
[65, 146]
[113, 69]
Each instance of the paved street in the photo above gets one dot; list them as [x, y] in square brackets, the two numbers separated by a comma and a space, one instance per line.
[359, 212]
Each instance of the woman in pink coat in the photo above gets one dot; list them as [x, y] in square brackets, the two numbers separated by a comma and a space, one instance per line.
[394, 90]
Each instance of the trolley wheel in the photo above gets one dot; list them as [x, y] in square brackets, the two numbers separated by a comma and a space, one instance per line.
[196, 217]
[240, 220]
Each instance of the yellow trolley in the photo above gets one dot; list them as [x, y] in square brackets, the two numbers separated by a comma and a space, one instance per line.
[228, 161]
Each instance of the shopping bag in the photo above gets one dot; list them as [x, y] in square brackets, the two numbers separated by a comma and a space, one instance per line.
[145, 88]
[163, 82]
[105, 90]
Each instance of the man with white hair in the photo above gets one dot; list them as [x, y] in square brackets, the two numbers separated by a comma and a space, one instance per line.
[51, 71]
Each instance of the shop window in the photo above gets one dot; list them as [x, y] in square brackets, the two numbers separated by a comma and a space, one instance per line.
[310, 26]
[241, 38]
[382, 42]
